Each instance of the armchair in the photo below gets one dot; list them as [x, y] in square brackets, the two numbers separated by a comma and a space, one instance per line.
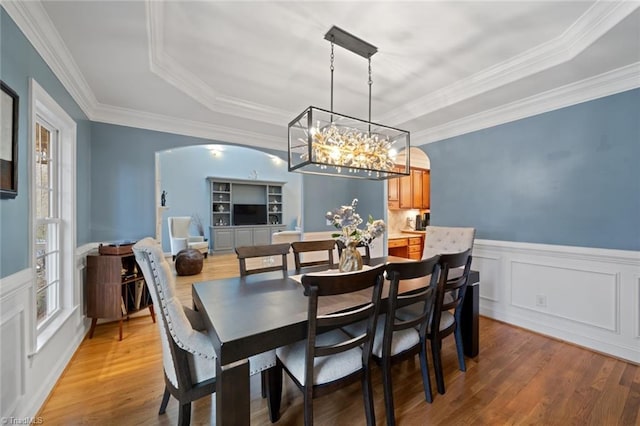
[180, 238]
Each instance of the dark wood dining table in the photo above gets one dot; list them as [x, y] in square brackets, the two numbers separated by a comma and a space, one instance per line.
[249, 315]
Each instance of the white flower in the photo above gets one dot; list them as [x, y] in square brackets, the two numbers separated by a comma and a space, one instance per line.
[347, 220]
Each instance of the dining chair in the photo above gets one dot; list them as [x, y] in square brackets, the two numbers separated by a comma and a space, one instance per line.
[188, 356]
[449, 295]
[313, 246]
[397, 339]
[447, 239]
[329, 360]
[366, 253]
[267, 252]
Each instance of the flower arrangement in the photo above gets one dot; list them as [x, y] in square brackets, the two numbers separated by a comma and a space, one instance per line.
[347, 220]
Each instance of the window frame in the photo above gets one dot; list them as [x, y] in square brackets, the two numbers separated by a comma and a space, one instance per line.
[44, 109]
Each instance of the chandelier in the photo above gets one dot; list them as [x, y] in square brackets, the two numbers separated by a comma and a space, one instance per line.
[327, 143]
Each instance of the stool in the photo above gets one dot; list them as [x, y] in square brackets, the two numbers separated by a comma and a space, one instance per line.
[189, 262]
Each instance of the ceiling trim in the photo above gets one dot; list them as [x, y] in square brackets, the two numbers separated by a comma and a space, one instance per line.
[606, 84]
[35, 24]
[162, 123]
[593, 24]
[166, 67]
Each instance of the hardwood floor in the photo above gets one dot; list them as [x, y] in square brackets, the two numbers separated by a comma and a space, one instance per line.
[519, 378]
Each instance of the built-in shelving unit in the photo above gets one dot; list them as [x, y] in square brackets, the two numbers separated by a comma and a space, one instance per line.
[224, 233]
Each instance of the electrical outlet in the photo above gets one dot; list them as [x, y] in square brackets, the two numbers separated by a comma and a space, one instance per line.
[541, 300]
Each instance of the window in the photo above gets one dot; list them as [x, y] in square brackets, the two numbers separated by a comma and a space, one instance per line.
[53, 207]
[47, 222]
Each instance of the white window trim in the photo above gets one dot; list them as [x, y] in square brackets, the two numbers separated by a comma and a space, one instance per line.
[42, 104]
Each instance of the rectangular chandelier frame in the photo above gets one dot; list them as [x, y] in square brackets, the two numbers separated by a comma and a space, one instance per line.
[312, 152]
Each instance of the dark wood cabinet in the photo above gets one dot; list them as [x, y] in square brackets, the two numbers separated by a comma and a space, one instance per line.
[115, 288]
[393, 193]
[416, 188]
[406, 195]
[426, 189]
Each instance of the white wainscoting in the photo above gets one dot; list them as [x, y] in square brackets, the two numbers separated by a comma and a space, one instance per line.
[29, 372]
[590, 297]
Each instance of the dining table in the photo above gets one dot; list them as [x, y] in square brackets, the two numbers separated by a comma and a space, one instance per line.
[248, 315]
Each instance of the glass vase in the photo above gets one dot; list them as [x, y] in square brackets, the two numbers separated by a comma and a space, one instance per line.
[350, 259]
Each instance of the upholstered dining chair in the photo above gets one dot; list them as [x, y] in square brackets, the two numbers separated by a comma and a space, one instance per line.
[397, 339]
[364, 249]
[266, 252]
[447, 239]
[330, 360]
[180, 239]
[313, 246]
[188, 357]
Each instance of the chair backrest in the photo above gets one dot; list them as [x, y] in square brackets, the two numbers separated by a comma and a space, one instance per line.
[446, 239]
[455, 285]
[179, 226]
[363, 308]
[313, 246]
[264, 251]
[176, 332]
[366, 255]
[422, 296]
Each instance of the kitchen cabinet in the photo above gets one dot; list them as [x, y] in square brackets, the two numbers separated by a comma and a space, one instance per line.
[409, 247]
[410, 192]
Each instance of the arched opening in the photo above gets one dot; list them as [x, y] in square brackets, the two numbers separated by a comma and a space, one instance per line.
[408, 197]
[182, 174]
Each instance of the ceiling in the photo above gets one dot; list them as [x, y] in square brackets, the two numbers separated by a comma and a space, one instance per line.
[239, 71]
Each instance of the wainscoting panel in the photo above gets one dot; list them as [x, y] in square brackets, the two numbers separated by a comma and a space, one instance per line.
[590, 297]
[14, 295]
[490, 267]
[567, 293]
[11, 361]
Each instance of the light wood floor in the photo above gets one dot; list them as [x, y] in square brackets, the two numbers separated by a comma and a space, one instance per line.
[519, 378]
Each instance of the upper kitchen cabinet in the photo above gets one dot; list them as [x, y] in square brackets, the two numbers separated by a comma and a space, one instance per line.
[410, 192]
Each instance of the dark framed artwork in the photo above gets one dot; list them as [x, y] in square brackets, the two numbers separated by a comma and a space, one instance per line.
[8, 142]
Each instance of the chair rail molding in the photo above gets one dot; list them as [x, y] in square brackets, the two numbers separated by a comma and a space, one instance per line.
[586, 296]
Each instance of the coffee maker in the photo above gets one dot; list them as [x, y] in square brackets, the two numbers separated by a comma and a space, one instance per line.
[422, 221]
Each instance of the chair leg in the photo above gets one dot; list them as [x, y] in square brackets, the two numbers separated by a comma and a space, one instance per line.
[388, 391]
[184, 415]
[263, 383]
[165, 400]
[437, 365]
[308, 406]
[367, 394]
[460, 348]
[426, 380]
[274, 392]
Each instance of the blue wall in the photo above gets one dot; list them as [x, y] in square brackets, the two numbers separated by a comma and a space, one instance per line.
[19, 62]
[324, 193]
[568, 177]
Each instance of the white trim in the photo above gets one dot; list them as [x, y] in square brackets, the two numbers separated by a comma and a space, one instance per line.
[180, 126]
[595, 22]
[616, 274]
[15, 282]
[41, 103]
[35, 24]
[33, 21]
[606, 84]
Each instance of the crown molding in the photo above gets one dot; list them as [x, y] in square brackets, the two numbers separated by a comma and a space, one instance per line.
[609, 83]
[601, 17]
[35, 24]
[162, 123]
[166, 67]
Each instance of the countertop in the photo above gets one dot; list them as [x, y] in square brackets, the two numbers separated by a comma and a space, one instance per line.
[403, 234]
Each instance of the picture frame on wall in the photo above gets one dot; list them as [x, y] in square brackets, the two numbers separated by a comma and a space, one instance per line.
[8, 142]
